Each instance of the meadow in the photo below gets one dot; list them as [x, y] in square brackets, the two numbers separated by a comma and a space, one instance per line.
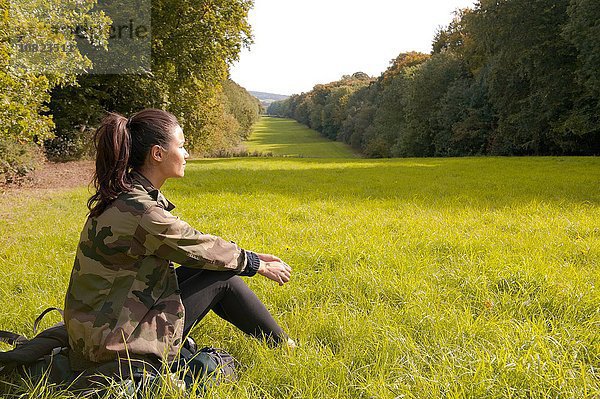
[412, 278]
[288, 138]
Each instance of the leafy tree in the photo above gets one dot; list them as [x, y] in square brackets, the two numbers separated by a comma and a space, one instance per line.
[583, 31]
[358, 116]
[466, 118]
[382, 137]
[333, 111]
[530, 72]
[507, 77]
[325, 108]
[193, 44]
[37, 53]
[244, 107]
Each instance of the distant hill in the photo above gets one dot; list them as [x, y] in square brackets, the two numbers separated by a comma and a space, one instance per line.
[267, 98]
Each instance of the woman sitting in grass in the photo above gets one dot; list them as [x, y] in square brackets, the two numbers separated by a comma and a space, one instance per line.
[125, 296]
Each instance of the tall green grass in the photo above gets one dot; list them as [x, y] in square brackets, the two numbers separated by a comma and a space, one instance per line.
[286, 137]
[413, 278]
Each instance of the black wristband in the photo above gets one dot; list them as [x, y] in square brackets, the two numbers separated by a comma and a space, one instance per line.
[252, 264]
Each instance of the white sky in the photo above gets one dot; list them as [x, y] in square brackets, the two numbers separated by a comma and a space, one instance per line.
[299, 43]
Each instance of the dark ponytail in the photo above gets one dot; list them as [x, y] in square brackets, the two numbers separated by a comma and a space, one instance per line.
[122, 145]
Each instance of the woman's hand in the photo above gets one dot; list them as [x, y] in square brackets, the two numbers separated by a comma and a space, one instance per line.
[274, 268]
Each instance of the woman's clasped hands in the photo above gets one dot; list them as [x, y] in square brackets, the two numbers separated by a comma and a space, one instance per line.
[274, 268]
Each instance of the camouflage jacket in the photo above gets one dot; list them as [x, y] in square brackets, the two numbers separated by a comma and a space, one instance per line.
[123, 295]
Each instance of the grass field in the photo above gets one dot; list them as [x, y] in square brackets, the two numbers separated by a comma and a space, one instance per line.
[413, 278]
[286, 137]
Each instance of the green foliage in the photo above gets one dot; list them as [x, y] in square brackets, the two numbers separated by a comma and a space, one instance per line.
[511, 77]
[530, 74]
[244, 107]
[17, 160]
[193, 43]
[27, 74]
[324, 109]
[457, 278]
[360, 112]
[77, 110]
[583, 32]
[423, 133]
[465, 118]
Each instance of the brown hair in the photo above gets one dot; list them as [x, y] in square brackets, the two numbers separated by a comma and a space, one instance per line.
[122, 145]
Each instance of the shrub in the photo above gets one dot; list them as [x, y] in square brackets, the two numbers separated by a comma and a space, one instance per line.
[237, 153]
[70, 146]
[17, 160]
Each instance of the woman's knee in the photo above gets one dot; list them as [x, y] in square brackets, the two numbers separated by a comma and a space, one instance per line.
[236, 284]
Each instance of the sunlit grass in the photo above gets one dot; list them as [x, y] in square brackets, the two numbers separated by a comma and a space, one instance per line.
[286, 137]
[414, 278]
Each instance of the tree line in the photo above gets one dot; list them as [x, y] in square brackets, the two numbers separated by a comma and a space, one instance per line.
[51, 104]
[508, 77]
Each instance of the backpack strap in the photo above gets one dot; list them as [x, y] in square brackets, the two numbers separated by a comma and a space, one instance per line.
[12, 338]
[37, 321]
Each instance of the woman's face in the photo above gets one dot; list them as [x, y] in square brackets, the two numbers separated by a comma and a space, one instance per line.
[175, 159]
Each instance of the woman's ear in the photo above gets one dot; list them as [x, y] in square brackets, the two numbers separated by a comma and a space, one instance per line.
[156, 153]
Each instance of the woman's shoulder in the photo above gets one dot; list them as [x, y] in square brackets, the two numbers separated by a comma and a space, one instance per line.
[135, 201]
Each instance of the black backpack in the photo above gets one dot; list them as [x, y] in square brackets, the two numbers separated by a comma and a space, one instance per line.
[29, 356]
[46, 356]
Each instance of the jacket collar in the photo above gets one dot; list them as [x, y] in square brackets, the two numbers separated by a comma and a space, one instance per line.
[141, 180]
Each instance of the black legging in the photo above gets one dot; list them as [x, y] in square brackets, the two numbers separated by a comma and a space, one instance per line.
[230, 298]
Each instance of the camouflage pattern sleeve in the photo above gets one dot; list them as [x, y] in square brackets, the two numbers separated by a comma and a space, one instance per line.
[164, 235]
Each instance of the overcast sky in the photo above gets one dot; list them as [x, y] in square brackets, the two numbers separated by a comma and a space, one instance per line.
[299, 43]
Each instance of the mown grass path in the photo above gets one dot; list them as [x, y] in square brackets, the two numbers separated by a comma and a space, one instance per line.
[286, 137]
[416, 278]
